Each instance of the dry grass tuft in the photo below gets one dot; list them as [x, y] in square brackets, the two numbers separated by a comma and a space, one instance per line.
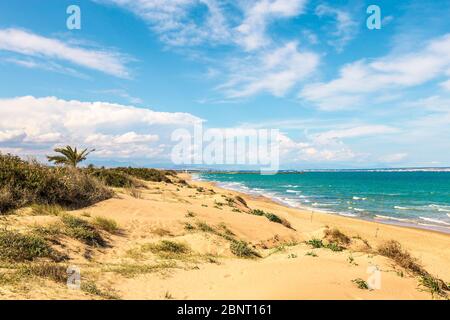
[336, 236]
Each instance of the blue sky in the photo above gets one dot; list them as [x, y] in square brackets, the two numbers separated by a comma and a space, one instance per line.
[343, 96]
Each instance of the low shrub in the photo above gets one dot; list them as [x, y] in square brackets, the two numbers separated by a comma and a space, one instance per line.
[315, 243]
[27, 182]
[241, 200]
[113, 178]
[393, 249]
[335, 235]
[361, 284]
[82, 230]
[17, 247]
[242, 250]
[52, 271]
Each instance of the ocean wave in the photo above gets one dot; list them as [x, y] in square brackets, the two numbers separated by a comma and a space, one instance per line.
[391, 218]
[358, 209]
[401, 208]
[440, 208]
[359, 198]
[346, 214]
[292, 191]
[435, 221]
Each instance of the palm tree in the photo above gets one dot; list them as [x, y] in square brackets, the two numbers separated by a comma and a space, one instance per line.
[70, 156]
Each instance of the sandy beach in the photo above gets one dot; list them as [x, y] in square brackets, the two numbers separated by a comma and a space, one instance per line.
[200, 216]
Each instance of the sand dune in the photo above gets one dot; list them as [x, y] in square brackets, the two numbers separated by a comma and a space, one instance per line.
[287, 269]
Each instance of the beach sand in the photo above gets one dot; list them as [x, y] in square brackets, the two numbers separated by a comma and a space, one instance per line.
[211, 271]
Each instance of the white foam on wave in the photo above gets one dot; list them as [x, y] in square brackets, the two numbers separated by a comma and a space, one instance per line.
[391, 218]
[400, 208]
[440, 208]
[435, 221]
[348, 214]
[358, 209]
[359, 198]
[291, 191]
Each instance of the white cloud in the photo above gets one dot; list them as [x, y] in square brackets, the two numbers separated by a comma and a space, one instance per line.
[39, 124]
[173, 22]
[252, 31]
[358, 80]
[30, 44]
[275, 72]
[446, 85]
[355, 132]
[393, 158]
[178, 23]
[311, 150]
[345, 25]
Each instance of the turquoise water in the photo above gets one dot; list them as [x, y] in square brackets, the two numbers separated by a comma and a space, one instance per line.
[408, 198]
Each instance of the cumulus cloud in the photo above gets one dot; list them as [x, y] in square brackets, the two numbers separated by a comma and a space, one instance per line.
[358, 80]
[32, 45]
[36, 125]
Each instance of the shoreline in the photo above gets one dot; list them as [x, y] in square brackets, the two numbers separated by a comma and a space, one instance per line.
[390, 221]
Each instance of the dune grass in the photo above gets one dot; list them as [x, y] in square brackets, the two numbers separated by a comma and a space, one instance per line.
[241, 249]
[82, 230]
[393, 250]
[17, 247]
[106, 224]
[336, 236]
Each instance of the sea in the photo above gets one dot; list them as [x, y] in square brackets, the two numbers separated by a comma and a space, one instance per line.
[410, 198]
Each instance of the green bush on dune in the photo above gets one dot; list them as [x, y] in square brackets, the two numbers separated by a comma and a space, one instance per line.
[113, 178]
[147, 174]
[26, 182]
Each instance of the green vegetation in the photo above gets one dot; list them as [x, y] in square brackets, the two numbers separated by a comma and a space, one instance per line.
[315, 243]
[17, 247]
[257, 212]
[202, 226]
[69, 156]
[91, 288]
[82, 230]
[46, 210]
[241, 200]
[28, 182]
[113, 178]
[47, 270]
[311, 254]
[274, 218]
[167, 249]
[271, 217]
[393, 250]
[190, 214]
[361, 284]
[108, 225]
[131, 270]
[242, 250]
[188, 226]
[336, 236]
